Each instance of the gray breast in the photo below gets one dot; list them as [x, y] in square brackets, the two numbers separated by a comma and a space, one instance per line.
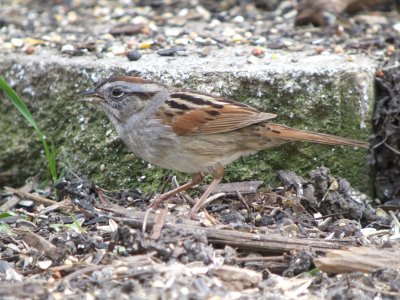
[154, 143]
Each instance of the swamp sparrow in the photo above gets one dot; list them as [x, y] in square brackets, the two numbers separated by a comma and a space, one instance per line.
[191, 132]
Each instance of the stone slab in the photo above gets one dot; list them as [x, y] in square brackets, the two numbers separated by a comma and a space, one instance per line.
[329, 93]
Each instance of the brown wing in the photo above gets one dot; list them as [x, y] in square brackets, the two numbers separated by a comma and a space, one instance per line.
[191, 113]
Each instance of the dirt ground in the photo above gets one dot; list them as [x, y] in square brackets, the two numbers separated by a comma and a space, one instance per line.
[313, 237]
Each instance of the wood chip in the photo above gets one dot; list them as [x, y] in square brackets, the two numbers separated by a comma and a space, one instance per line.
[159, 221]
[238, 278]
[243, 187]
[39, 243]
[357, 259]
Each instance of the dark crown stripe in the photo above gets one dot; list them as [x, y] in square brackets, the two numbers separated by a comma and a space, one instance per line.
[196, 100]
[129, 79]
[176, 105]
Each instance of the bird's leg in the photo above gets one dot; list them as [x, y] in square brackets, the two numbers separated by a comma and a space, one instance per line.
[196, 178]
[217, 173]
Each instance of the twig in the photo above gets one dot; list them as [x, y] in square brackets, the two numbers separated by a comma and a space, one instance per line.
[78, 273]
[392, 148]
[35, 198]
[66, 203]
[14, 200]
[146, 216]
[260, 259]
[380, 143]
[182, 194]
[241, 199]
[262, 243]
[330, 215]
[100, 193]
[371, 290]
[213, 198]
[395, 220]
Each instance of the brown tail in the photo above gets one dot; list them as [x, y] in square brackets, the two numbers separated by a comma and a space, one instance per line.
[283, 132]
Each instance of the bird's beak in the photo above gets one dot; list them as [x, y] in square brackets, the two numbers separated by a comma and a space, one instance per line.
[90, 96]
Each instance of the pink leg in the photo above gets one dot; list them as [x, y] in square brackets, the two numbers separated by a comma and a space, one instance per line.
[196, 178]
[217, 173]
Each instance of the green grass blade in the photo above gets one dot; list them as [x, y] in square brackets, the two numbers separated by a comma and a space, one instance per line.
[18, 103]
[50, 153]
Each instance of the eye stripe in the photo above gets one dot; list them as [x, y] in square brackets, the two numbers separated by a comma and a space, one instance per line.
[143, 95]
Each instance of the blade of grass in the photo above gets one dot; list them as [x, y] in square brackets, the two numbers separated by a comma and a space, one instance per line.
[18, 103]
[50, 153]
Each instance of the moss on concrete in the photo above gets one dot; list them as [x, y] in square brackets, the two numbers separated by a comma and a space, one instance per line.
[326, 101]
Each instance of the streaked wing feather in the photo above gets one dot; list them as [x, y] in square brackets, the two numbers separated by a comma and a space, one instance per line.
[191, 113]
[230, 121]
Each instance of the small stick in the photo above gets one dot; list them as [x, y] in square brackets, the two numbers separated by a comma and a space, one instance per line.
[35, 198]
[259, 259]
[241, 199]
[395, 220]
[213, 198]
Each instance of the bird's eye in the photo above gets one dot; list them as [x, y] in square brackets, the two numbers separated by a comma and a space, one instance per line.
[117, 92]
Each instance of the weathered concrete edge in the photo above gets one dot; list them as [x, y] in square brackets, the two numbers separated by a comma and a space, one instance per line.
[226, 78]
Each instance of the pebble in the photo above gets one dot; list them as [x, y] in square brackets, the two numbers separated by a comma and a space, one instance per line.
[258, 51]
[261, 40]
[274, 56]
[4, 266]
[173, 31]
[170, 51]
[390, 50]
[134, 55]
[214, 23]
[182, 41]
[237, 38]
[56, 38]
[231, 217]
[339, 49]
[16, 42]
[12, 275]
[228, 32]
[131, 44]
[127, 29]
[117, 50]
[238, 19]
[396, 27]
[204, 41]
[68, 48]
[26, 224]
[319, 49]
[266, 220]
[29, 50]
[72, 16]
[145, 45]
[379, 73]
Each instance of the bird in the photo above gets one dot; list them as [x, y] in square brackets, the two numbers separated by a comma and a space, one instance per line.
[191, 131]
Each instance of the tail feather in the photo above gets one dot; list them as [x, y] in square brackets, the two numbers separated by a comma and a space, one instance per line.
[283, 132]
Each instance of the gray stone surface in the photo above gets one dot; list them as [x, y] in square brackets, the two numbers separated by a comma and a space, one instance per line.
[328, 93]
